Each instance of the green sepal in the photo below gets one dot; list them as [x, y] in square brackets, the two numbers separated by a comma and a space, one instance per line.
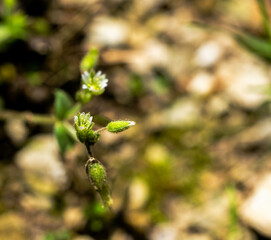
[63, 104]
[87, 137]
[119, 126]
[92, 138]
[90, 60]
[63, 136]
[98, 177]
[83, 96]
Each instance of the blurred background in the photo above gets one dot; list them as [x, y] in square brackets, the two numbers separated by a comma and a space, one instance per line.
[194, 75]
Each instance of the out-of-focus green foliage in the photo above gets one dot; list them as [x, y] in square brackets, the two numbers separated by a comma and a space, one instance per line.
[265, 18]
[7, 72]
[95, 213]
[160, 84]
[136, 85]
[14, 24]
[90, 60]
[40, 26]
[64, 107]
[63, 136]
[34, 78]
[233, 215]
[259, 46]
[60, 235]
[17, 25]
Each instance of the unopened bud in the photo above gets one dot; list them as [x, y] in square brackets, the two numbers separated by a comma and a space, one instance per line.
[119, 126]
[97, 176]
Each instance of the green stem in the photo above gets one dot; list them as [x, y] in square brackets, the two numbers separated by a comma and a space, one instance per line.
[89, 150]
[265, 16]
[101, 130]
[28, 117]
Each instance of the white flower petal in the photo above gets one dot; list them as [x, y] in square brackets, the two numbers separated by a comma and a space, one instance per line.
[131, 123]
[86, 74]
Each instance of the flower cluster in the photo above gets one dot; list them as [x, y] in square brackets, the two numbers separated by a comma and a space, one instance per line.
[83, 125]
[94, 82]
[83, 121]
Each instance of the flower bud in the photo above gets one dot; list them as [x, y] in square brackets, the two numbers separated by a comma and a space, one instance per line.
[97, 176]
[119, 126]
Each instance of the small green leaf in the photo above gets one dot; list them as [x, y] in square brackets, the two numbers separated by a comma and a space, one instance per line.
[63, 137]
[119, 126]
[257, 45]
[90, 60]
[63, 104]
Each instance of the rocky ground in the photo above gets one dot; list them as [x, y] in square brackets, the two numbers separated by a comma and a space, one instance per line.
[196, 165]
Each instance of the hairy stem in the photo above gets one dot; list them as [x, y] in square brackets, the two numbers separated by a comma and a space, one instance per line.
[28, 117]
[101, 130]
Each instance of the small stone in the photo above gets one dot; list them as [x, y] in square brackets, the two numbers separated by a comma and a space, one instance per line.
[164, 232]
[138, 193]
[257, 134]
[157, 154]
[17, 131]
[138, 219]
[74, 218]
[152, 54]
[12, 227]
[120, 235]
[41, 164]
[184, 112]
[244, 82]
[83, 237]
[256, 210]
[218, 105]
[208, 54]
[202, 84]
[108, 31]
[36, 203]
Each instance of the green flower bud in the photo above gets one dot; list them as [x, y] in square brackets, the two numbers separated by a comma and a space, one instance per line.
[90, 60]
[119, 126]
[97, 176]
